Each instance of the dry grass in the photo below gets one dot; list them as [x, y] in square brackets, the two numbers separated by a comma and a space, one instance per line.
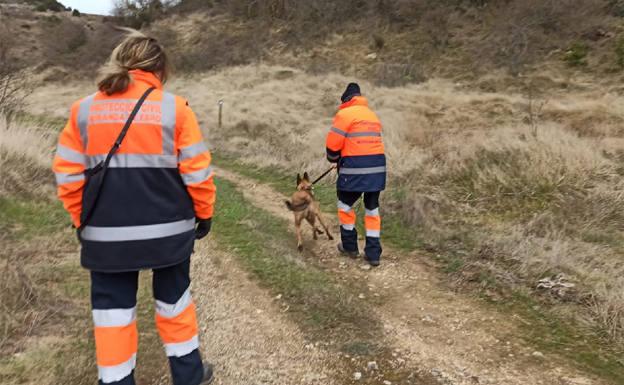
[45, 323]
[42, 286]
[519, 196]
[466, 168]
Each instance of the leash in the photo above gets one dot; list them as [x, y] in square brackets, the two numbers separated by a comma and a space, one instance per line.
[324, 174]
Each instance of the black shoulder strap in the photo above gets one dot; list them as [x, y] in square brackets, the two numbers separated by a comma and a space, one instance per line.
[126, 126]
[102, 167]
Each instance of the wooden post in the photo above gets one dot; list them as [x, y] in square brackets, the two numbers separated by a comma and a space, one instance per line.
[220, 112]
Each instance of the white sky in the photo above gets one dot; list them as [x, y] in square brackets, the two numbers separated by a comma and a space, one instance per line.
[100, 7]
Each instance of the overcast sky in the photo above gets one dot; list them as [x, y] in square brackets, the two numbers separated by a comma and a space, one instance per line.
[100, 7]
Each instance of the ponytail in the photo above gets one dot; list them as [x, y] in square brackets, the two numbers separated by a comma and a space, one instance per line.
[136, 51]
[115, 81]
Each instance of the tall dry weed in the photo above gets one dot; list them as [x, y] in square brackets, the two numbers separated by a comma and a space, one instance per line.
[465, 168]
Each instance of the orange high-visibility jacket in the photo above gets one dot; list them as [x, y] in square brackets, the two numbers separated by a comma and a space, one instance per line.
[157, 184]
[355, 142]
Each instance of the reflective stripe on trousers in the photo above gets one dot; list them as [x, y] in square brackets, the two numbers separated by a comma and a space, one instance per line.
[372, 223]
[346, 216]
[177, 325]
[116, 341]
[113, 298]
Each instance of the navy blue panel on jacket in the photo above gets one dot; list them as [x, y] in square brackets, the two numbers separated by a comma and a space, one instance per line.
[366, 173]
[144, 219]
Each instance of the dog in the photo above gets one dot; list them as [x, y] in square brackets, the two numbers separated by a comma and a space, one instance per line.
[304, 206]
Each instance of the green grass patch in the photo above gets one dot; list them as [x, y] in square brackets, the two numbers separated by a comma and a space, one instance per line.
[545, 331]
[550, 334]
[42, 290]
[26, 219]
[46, 289]
[324, 307]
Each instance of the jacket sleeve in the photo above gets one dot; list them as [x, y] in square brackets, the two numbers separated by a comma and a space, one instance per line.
[336, 138]
[194, 164]
[69, 165]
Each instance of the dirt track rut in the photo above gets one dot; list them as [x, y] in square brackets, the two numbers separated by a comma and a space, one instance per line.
[245, 332]
[452, 336]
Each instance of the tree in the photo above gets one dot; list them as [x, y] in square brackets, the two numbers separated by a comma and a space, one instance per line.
[139, 13]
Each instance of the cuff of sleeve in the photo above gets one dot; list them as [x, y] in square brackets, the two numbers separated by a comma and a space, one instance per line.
[76, 220]
[206, 213]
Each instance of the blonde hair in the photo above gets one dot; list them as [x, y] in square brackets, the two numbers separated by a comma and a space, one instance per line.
[136, 51]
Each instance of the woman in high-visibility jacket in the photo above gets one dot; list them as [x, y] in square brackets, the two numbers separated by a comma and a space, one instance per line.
[354, 142]
[156, 199]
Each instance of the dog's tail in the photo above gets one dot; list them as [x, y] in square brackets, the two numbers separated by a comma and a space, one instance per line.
[289, 205]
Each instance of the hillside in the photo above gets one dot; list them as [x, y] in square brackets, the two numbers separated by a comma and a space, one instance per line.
[503, 220]
[389, 42]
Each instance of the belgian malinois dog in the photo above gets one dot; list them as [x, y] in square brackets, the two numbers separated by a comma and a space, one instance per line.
[304, 206]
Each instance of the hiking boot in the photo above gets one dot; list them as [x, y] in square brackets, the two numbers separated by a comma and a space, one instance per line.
[372, 262]
[208, 374]
[350, 254]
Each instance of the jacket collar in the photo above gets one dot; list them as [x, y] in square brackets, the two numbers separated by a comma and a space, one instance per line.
[355, 101]
[146, 77]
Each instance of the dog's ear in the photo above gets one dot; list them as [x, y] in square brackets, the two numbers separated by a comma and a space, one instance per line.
[298, 179]
[306, 177]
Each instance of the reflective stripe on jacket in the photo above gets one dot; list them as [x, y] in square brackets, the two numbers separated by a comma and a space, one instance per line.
[355, 142]
[158, 182]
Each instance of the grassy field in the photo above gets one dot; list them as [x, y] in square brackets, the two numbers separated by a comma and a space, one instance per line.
[328, 309]
[45, 326]
[542, 326]
[524, 186]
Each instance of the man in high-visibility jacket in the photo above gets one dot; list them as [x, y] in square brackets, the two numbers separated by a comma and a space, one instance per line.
[157, 198]
[354, 143]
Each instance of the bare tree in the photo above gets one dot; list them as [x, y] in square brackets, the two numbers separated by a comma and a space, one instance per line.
[15, 85]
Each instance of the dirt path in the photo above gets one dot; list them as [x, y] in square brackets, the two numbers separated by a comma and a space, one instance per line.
[245, 332]
[452, 336]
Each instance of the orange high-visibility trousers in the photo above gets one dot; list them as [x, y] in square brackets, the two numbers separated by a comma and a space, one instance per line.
[113, 298]
[372, 222]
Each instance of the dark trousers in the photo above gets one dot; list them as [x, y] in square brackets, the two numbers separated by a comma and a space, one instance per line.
[113, 298]
[372, 222]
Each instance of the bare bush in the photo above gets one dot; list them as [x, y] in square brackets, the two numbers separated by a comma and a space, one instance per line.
[76, 46]
[398, 74]
[522, 32]
[211, 47]
[139, 13]
[14, 81]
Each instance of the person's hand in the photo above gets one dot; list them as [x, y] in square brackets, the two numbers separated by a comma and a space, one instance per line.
[77, 230]
[203, 228]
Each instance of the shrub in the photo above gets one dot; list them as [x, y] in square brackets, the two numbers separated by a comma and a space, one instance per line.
[576, 56]
[398, 74]
[48, 5]
[139, 13]
[15, 85]
[76, 13]
[616, 7]
[619, 52]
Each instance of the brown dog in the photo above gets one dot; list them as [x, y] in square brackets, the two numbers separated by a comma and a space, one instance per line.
[303, 205]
